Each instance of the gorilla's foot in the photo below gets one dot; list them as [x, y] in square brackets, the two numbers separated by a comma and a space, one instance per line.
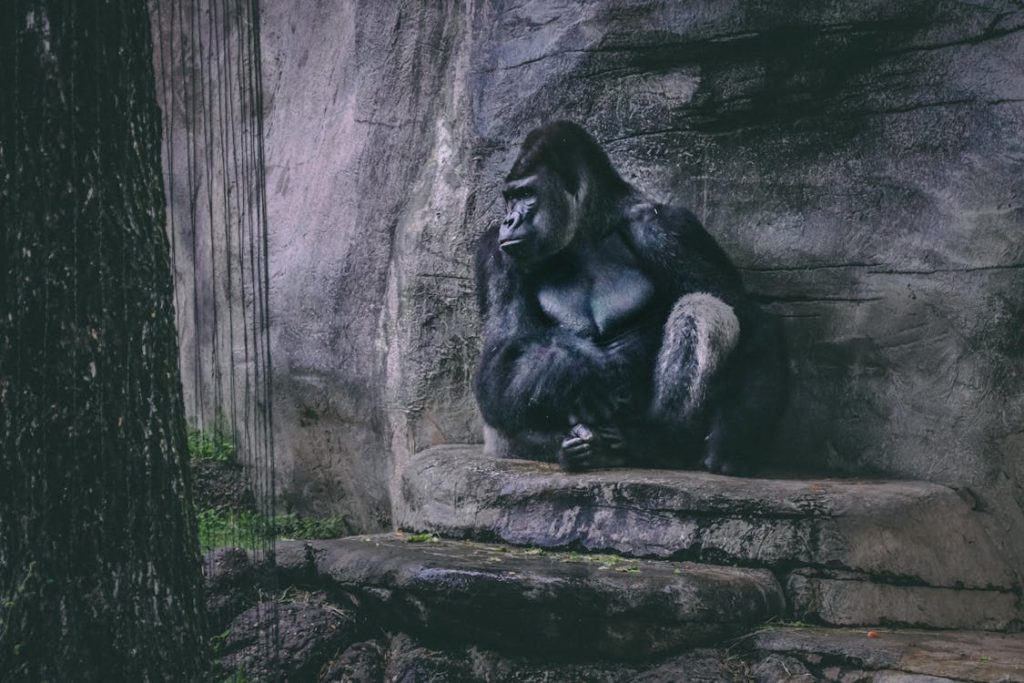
[586, 449]
[715, 463]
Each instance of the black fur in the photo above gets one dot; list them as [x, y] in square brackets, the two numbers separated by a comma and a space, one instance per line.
[575, 288]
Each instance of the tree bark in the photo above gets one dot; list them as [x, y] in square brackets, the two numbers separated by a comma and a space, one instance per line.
[99, 562]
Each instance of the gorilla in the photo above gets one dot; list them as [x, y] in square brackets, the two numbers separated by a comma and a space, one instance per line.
[616, 330]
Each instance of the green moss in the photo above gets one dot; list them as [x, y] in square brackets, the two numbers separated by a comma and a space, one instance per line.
[219, 528]
[246, 529]
[215, 444]
[293, 526]
[421, 538]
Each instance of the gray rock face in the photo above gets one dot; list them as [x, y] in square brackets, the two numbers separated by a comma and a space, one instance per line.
[855, 552]
[861, 163]
[220, 485]
[531, 601]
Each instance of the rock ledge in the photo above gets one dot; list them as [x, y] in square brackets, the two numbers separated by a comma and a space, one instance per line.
[901, 552]
[529, 600]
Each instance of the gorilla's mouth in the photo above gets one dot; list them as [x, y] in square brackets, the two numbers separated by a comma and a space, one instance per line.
[511, 245]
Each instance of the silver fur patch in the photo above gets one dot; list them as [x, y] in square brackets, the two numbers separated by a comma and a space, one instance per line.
[685, 367]
[495, 443]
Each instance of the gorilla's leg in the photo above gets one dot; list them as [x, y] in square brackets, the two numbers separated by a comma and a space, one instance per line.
[748, 398]
[700, 334]
[528, 444]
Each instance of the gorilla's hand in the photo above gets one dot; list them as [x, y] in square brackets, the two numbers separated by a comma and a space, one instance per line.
[599, 404]
[585, 448]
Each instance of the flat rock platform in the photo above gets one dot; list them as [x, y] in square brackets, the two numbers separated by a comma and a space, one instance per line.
[846, 551]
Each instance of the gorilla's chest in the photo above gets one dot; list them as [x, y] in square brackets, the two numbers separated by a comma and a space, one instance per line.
[598, 294]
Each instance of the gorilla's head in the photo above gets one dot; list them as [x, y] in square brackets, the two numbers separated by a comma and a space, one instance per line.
[560, 184]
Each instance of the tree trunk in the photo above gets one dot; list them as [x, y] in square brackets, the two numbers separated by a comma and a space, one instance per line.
[99, 563]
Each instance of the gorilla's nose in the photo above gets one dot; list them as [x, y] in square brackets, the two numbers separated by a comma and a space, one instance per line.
[511, 237]
[512, 220]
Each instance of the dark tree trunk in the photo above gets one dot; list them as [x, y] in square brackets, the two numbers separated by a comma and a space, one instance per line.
[99, 564]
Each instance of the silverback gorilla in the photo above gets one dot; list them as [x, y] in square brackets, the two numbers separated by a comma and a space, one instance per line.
[616, 330]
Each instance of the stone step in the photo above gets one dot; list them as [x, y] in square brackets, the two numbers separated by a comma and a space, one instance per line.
[903, 552]
[326, 625]
[887, 656]
[532, 600]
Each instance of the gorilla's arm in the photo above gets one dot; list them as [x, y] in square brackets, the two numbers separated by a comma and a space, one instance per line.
[535, 381]
[749, 388]
[531, 374]
[680, 254]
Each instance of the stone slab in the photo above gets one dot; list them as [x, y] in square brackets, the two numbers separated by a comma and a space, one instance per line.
[856, 600]
[897, 531]
[530, 600]
[905, 655]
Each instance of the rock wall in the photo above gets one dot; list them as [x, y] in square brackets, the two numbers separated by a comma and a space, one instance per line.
[860, 161]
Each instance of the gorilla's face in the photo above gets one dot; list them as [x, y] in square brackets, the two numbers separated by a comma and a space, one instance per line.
[539, 219]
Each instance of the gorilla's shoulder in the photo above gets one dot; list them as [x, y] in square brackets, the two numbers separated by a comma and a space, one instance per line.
[643, 211]
[675, 232]
[656, 223]
[668, 217]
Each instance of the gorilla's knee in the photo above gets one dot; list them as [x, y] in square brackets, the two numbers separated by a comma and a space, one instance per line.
[529, 444]
[700, 333]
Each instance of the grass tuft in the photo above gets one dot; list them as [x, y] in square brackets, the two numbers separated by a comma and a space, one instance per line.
[215, 444]
[246, 529]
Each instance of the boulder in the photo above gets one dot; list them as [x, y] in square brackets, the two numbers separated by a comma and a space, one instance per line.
[277, 640]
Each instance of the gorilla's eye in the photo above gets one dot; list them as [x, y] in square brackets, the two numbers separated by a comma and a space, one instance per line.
[519, 193]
